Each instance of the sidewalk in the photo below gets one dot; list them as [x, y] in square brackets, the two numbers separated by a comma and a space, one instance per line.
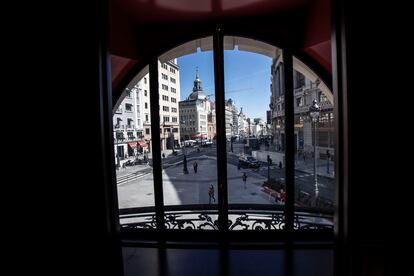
[308, 167]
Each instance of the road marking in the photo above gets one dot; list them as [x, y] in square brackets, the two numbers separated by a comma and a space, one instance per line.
[127, 178]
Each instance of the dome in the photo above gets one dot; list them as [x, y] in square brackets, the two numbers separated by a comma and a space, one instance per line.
[197, 95]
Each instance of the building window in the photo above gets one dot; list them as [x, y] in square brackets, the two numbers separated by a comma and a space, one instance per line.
[173, 90]
[173, 100]
[299, 80]
[130, 122]
[165, 108]
[146, 105]
[145, 93]
[146, 118]
[145, 80]
[120, 135]
[173, 109]
[166, 118]
[299, 101]
[165, 87]
[128, 107]
[165, 98]
[147, 131]
[172, 70]
[174, 119]
[172, 79]
[165, 66]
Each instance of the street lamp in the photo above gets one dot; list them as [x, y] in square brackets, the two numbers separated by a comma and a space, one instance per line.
[328, 155]
[173, 139]
[185, 169]
[314, 111]
[269, 162]
[231, 137]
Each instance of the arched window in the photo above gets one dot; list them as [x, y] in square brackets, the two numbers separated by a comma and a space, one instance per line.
[233, 134]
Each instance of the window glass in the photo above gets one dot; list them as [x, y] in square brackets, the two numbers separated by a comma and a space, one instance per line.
[188, 137]
[254, 133]
[314, 148]
[133, 151]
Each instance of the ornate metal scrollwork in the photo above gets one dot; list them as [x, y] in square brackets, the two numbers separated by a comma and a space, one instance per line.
[173, 221]
[238, 220]
[272, 221]
[147, 223]
[209, 224]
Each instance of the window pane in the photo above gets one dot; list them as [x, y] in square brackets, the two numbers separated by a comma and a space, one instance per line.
[133, 150]
[254, 134]
[314, 149]
[188, 133]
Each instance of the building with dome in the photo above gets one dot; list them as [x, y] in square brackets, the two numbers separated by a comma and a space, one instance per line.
[195, 113]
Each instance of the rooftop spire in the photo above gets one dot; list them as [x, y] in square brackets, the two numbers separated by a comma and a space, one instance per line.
[197, 82]
[197, 89]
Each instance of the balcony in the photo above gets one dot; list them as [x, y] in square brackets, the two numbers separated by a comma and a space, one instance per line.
[299, 91]
[241, 217]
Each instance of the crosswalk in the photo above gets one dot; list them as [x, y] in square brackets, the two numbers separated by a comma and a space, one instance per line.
[133, 176]
[130, 177]
[298, 176]
[282, 178]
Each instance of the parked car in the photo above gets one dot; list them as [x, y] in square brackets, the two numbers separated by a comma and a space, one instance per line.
[248, 162]
[133, 162]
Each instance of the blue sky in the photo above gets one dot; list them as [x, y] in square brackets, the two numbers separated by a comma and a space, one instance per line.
[247, 79]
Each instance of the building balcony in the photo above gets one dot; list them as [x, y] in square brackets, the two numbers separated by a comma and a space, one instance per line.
[241, 217]
[299, 90]
[122, 140]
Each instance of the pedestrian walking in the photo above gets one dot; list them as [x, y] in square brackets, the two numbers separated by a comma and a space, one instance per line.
[195, 166]
[244, 177]
[211, 194]
[282, 195]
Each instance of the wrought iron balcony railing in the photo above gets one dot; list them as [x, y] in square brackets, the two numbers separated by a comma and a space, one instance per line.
[204, 217]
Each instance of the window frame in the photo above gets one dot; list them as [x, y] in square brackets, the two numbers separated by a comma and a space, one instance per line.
[288, 232]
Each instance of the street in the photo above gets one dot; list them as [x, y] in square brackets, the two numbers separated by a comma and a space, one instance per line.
[135, 184]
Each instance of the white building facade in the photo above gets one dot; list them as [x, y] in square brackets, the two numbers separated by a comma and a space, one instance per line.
[196, 113]
[132, 117]
[232, 119]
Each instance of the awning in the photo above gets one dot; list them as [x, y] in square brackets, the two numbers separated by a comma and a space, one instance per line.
[142, 144]
[133, 145]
